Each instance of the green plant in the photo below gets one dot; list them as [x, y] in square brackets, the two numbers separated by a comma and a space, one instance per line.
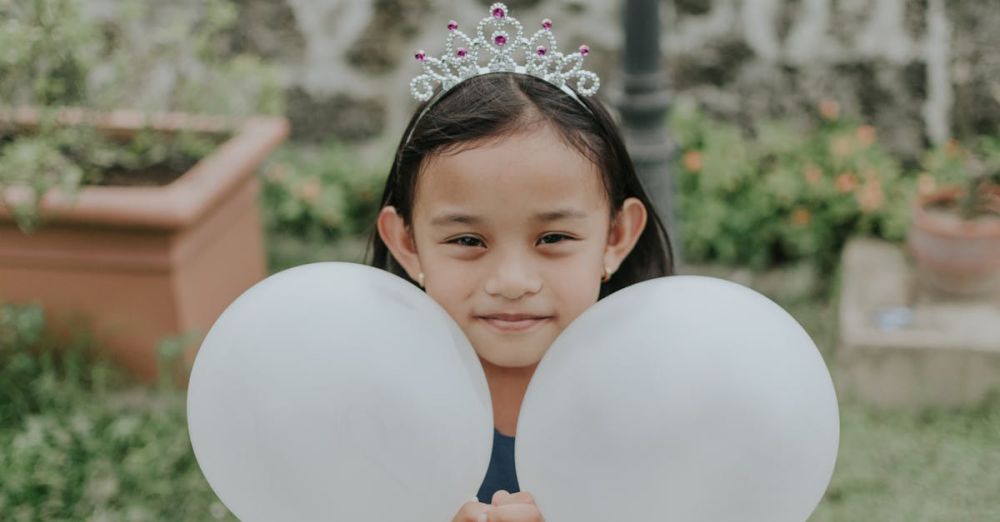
[320, 193]
[66, 158]
[79, 442]
[981, 196]
[775, 194]
[975, 170]
[145, 56]
[48, 50]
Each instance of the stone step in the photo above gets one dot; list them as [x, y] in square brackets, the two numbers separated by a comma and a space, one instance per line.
[902, 345]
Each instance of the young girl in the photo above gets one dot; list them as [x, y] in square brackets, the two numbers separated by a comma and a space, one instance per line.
[514, 203]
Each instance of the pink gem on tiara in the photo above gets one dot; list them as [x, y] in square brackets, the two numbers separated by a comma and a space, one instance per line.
[420, 56]
[462, 51]
[584, 50]
[452, 25]
[500, 40]
[541, 50]
[498, 12]
[546, 24]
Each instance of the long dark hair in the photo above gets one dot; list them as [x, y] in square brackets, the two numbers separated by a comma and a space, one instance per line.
[495, 105]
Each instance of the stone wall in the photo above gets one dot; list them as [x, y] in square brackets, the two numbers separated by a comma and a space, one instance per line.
[920, 70]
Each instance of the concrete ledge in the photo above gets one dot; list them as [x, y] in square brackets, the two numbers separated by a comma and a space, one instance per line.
[902, 345]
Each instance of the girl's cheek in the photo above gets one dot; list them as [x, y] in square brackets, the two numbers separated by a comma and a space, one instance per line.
[452, 280]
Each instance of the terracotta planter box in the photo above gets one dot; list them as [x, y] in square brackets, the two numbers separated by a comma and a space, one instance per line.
[139, 264]
[953, 255]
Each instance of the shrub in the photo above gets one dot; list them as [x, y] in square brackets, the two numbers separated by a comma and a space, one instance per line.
[320, 193]
[777, 194]
[76, 443]
[975, 170]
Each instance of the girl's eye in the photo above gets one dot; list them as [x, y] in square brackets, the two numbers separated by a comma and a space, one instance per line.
[547, 239]
[551, 239]
[467, 241]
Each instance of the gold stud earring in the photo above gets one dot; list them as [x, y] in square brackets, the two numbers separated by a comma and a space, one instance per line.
[420, 279]
[607, 274]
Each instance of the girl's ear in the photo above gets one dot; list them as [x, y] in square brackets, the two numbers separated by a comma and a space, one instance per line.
[397, 237]
[625, 231]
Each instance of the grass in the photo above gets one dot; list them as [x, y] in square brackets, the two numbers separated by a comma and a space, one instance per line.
[937, 465]
[79, 443]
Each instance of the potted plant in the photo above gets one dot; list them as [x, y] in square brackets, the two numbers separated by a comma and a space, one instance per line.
[145, 224]
[954, 236]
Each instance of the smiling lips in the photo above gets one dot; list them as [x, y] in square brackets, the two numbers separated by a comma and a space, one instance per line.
[514, 322]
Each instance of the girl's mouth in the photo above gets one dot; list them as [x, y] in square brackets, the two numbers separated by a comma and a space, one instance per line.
[520, 324]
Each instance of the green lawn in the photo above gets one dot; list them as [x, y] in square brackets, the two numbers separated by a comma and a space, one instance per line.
[77, 442]
[935, 466]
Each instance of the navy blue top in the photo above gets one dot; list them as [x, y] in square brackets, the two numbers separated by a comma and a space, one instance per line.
[500, 474]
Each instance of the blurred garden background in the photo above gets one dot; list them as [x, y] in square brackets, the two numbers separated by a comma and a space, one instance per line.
[797, 127]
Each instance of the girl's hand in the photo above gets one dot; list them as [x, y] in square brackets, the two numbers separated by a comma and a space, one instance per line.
[519, 507]
[471, 512]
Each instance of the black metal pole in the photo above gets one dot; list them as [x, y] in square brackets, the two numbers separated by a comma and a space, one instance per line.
[644, 108]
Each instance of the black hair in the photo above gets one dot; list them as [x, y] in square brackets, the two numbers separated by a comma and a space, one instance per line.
[494, 105]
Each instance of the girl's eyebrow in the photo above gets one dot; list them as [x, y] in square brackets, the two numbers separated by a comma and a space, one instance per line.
[543, 217]
[563, 213]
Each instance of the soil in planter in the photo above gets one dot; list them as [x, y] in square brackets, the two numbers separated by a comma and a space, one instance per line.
[160, 173]
[949, 214]
[148, 173]
[949, 210]
[150, 177]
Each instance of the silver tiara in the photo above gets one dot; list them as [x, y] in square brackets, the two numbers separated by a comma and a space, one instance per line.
[506, 40]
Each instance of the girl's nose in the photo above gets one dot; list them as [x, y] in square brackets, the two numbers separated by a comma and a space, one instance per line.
[512, 279]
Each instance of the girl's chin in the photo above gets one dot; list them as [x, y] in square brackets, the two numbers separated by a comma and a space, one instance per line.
[509, 361]
[510, 351]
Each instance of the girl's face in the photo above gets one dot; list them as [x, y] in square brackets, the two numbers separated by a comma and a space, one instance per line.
[512, 237]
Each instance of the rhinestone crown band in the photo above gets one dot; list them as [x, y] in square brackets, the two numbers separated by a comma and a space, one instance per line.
[505, 40]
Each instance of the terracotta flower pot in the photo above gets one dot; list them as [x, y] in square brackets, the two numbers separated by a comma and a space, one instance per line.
[143, 263]
[954, 255]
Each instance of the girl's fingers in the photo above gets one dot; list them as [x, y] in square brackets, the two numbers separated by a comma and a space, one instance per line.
[499, 496]
[502, 498]
[514, 513]
[471, 512]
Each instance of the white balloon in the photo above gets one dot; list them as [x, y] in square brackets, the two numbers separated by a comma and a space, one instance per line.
[337, 391]
[680, 399]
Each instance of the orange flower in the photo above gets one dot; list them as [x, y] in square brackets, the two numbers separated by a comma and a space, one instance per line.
[812, 174]
[841, 146]
[692, 161]
[926, 183]
[871, 196]
[801, 217]
[829, 109]
[866, 135]
[310, 190]
[846, 182]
